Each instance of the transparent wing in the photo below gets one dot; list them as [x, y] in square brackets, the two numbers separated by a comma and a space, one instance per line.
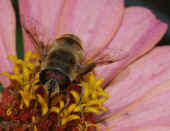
[36, 33]
[109, 56]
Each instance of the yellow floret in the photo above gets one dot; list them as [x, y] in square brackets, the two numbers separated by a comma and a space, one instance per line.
[88, 100]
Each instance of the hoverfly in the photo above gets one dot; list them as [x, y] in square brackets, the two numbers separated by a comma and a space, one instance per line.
[63, 61]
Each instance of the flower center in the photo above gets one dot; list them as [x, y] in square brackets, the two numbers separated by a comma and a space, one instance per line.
[25, 103]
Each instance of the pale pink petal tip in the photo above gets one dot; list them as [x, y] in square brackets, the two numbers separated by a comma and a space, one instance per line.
[7, 37]
[139, 32]
[95, 22]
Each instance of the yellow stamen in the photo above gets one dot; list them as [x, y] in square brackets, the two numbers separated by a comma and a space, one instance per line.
[86, 93]
[77, 109]
[69, 118]
[27, 56]
[88, 100]
[34, 122]
[43, 103]
[92, 110]
[61, 104]
[27, 95]
[69, 109]
[55, 109]
[35, 128]
[9, 111]
[75, 95]
[33, 119]
[13, 77]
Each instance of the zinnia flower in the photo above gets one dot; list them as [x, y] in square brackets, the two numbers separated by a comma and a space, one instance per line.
[138, 84]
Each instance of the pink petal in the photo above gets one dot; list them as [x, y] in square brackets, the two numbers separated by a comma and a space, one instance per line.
[139, 78]
[140, 83]
[43, 16]
[152, 110]
[139, 32]
[94, 21]
[157, 128]
[7, 37]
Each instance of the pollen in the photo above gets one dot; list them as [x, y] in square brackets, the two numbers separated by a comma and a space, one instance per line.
[74, 109]
[9, 111]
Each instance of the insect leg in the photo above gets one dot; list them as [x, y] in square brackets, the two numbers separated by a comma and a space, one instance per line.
[86, 68]
[65, 106]
[81, 108]
[67, 102]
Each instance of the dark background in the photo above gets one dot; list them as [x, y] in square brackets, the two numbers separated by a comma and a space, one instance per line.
[161, 9]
